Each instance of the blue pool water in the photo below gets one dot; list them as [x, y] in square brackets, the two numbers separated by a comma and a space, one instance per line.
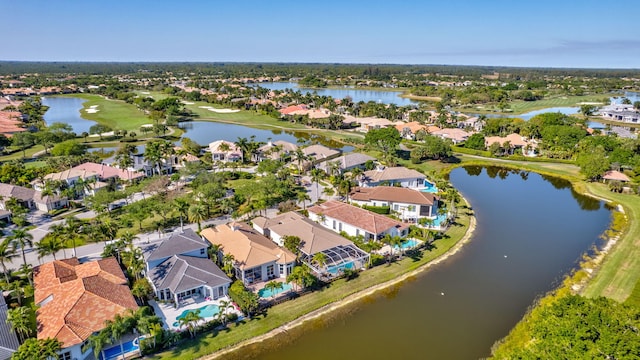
[439, 220]
[114, 351]
[334, 269]
[429, 187]
[207, 311]
[266, 293]
[409, 244]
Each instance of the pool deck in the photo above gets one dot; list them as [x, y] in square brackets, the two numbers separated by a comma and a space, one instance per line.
[168, 313]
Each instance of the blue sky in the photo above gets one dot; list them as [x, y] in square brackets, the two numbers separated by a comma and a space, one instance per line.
[539, 33]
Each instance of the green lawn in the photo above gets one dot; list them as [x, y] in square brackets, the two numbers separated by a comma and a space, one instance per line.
[113, 113]
[519, 106]
[18, 154]
[291, 310]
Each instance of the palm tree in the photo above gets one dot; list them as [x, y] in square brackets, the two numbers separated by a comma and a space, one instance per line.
[134, 261]
[320, 259]
[49, 348]
[117, 327]
[155, 330]
[316, 175]
[21, 239]
[98, 342]
[197, 213]
[124, 155]
[227, 264]
[182, 205]
[302, 197]
[153, 153]
[273, 286]
[141, 289]
[223, 305]
[16, 290]
[20, 319]
[190, 320]
[49, 246]
[299, 156]
[244, 145]
[6, 253]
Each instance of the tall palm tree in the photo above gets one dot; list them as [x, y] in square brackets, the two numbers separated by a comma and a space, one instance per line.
[153, 153]
[134, 261]
[49, 246]
[244, 145]
[316, 175]
[182, 205]
[302, 197]
[124, 155]
[190, 320]
[21, 239]
[197, 214]
[6, 253]
[299, 156]
[227, 264]
[97, 342]
[49, 348]
[20, 319]
[320, 258]
[119, 326]
[273, 286]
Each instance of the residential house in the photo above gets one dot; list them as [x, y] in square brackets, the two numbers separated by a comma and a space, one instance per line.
[455, 135]
[289, 110]
[614, 175]
[8, 340]
[409, 204]
[318, 153]
[355, 221]
[515, 141]
[339, 252]
[11, 122]
[368, 123]
[98, 175]
[275, 150]
[393, 176]
[226, 151]
[620, 112]
[30, 198]
[74, 300]
[410, 129]
[256, 258]
[346, 163]
[178, 268]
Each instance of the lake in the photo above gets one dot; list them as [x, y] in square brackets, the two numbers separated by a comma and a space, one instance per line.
[531, 230]
[356, 95]
[66, 110]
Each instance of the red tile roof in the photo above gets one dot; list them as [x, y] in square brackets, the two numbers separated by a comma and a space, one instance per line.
[106, 172]
[293, 108]
[360, 218]
[393, 194]
[76, 299]
[616, 175]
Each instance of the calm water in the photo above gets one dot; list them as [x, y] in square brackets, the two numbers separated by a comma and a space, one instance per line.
[66, 110]
[381, 96]
[530, 232]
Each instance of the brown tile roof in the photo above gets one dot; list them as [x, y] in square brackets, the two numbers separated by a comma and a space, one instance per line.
[353, 215]
[413, 126]
[76, 299]
[320, 151]
[107, 172]
[393, 173]
[393, 194]
[248, 246]
[315, 238]
[514, 139]
[293, 108]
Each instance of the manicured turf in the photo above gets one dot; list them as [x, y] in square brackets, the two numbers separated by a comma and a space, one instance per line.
[113, 113]
[519, 107]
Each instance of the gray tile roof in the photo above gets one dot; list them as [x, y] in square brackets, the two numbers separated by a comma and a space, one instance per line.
[8, 339]
[180, 273]
[347, 161]
[177, 243]
[18, 192]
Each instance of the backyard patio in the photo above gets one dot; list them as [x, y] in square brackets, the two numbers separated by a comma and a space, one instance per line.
[209, 310]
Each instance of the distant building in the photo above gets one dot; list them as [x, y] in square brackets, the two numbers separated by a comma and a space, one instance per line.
[225, 151]
[620, 112]
[275, 150]
[346, 163]
[409, 204]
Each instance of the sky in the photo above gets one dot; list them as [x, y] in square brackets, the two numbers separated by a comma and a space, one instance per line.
[540, 33]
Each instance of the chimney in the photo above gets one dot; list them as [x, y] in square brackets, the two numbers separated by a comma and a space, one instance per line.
[235, 226]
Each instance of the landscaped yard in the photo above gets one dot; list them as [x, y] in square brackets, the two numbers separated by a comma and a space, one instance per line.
[291, 310]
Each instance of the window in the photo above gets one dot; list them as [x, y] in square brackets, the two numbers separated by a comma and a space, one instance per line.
[202, 251]
[281, 268]
[340, 227]
[334, 224]
[271, 271]
[65, 356]
[357, 232]
[396, 207]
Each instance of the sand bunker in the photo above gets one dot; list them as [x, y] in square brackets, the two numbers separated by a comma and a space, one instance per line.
[220, 111]
[92, 109]
[187, 103]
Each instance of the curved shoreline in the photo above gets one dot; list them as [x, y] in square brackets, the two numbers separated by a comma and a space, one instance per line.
[351, 298]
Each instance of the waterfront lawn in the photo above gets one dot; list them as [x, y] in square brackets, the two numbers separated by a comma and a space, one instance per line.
[520, 107]
[619, 274]
[113, 113]
[289, 311]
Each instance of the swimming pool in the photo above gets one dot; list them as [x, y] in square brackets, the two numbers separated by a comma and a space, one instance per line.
[208, 311]
[334, 269]
[409, 244]
[266, 293]
[429, 187]
[115, 351]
